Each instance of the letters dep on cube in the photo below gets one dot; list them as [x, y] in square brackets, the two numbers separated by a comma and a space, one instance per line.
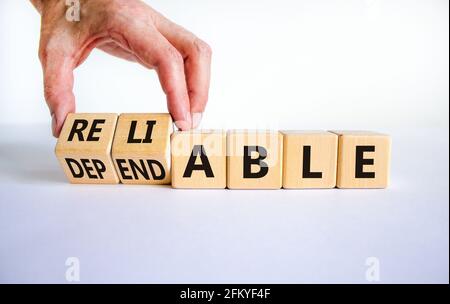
[142, 148]
[84, 148]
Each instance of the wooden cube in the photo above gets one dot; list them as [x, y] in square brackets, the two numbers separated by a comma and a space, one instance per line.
[309, 159]
[199, 159]
[141, 148]
[84, 148]
[363, 159]
[254, 159]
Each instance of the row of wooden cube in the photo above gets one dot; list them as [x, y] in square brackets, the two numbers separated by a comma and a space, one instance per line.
[143, 149]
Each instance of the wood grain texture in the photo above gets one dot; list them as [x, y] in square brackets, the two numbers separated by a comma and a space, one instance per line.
[374, 159]
[84, 148]
[204, 148]
[141, 148]
[318, 151]
[271, 143]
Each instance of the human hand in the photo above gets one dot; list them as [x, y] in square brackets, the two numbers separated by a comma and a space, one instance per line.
[131, 30]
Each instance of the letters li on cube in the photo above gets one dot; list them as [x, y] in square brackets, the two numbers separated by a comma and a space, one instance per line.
[142, 149]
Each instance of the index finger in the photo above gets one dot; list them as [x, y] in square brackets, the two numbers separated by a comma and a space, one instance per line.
[197, 62]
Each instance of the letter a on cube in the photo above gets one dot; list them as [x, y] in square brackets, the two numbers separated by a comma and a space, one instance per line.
[254, 159]
[199, 159]
[84, 148]
[363, 159]
[141, 148]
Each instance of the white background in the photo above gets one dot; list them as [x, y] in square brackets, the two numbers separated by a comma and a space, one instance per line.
[381, 65]
[287, 64]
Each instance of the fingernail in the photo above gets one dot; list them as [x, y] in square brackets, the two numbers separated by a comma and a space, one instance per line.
[54, 124]
[196, 119]
[183, 125]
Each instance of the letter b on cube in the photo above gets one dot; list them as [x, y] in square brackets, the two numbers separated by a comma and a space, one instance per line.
[254, 159]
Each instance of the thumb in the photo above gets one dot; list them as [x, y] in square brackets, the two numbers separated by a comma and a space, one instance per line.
[58, 88]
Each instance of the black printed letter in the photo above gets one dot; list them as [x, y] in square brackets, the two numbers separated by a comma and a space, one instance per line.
[148, 135]
[204, 166]
[76, 129]
[307, 164]
[249, 161]
[95, 129]
[361, 161]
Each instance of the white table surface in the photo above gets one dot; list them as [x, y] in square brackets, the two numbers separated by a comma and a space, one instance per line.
[154, 234]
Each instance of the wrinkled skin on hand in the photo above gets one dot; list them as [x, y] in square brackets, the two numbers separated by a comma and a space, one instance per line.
[127, 29]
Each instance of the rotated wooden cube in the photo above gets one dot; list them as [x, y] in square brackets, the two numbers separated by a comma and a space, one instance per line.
[254, 159]
[309, 159]
[84, 148]
[363, 159]
[199, 159]
[141, 148]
